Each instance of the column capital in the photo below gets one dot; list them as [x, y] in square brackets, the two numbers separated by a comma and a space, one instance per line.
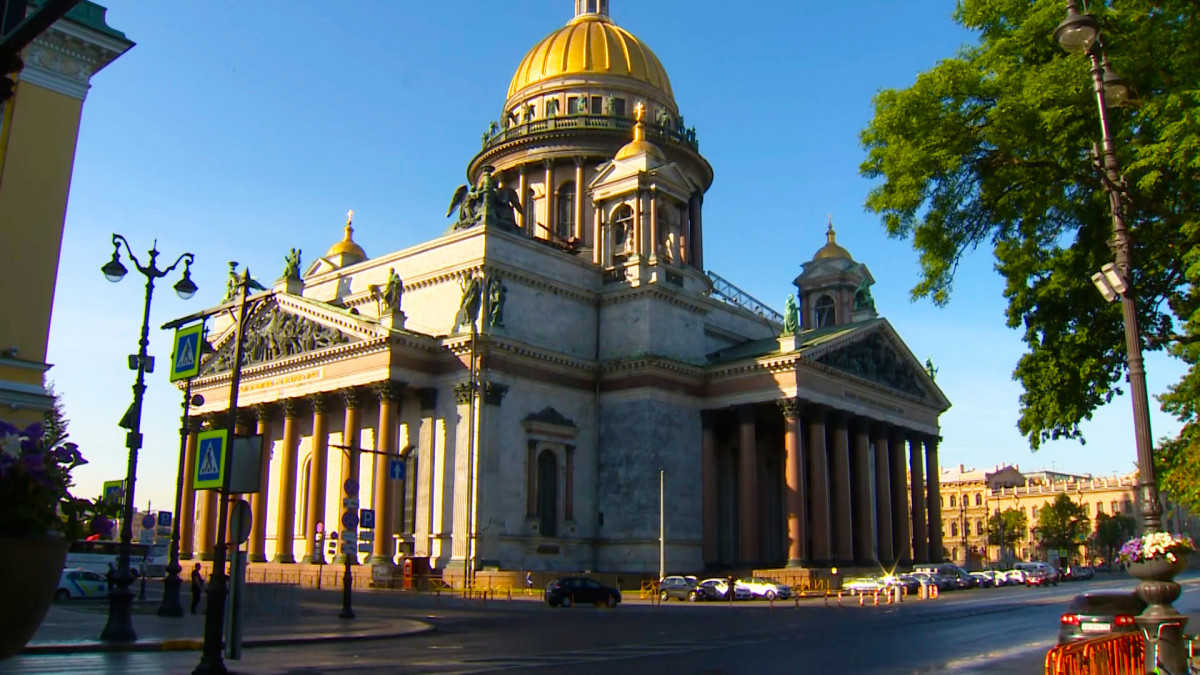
[195, 424]
[245, 417]
[462, 393]
[790, 407]
[493, 393]
[292, 407]
[391, 390]
[353, 398]
[321, 403]
[265, 412]
[427, 398]
[746, 413]
[708, 418]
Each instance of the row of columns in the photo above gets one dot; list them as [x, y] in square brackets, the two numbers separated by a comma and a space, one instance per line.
[836, 511]
[320, 405]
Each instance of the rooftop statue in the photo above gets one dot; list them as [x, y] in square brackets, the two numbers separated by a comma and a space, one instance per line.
[488, 204]
[791, 316]
[862, 297]
[496, 292]
[393, 291]
[468, 307]
[930, 369]
[291, 264]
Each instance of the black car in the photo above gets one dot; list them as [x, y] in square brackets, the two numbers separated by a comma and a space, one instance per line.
[680, 588]
[1098, 613]
[567, 591]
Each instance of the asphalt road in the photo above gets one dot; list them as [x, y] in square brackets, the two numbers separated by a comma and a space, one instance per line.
[1003, 630]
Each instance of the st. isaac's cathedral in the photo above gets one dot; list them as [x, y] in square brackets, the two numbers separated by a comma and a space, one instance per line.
[539, 367]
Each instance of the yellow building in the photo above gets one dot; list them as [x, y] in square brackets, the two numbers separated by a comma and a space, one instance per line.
[40, 125]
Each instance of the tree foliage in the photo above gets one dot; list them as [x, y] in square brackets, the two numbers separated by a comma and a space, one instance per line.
[1112, 532]
[1063, 524]
[54, 422]
[992, 149]
[1007, 528]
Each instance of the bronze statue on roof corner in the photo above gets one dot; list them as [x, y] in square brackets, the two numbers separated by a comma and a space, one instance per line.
[488, 204]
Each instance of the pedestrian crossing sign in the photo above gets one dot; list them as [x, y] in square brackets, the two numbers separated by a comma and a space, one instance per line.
[185, 357]
[211, 455]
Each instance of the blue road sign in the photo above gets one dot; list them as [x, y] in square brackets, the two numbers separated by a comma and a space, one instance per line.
[396, 469]
[164, 518]
[210, 460]
[349, 520]
[185, 359]
[147, 520]
[114, 491]
[366, 518]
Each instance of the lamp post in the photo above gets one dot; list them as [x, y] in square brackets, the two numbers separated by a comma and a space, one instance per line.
[1163, 626]
[119, 627]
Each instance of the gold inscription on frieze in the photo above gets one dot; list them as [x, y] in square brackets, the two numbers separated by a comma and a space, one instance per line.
[282, 380]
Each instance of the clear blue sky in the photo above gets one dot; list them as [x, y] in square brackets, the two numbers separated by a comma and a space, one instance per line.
[236, 130]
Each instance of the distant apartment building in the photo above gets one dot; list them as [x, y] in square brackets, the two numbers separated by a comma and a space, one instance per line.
[970, 497]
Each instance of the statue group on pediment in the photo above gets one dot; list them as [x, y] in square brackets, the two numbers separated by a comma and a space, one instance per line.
[874, 359]
[274, 334]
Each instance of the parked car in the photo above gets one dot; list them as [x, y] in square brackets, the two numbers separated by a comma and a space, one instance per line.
[718, 589]
[911, 584]
[984, 580]
[77, 582]
[680, 588]
[567, 591]
[1097, 613]
[767, 589]
[1015, 577]
[862, 585]
[942, 583]
[1038, 573]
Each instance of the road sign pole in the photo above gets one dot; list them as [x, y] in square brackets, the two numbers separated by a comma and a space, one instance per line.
[171, 604]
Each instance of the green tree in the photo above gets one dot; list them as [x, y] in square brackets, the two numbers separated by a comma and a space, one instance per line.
[1006, 529]
[992, 149]
[1112, 532]
[1063, 524]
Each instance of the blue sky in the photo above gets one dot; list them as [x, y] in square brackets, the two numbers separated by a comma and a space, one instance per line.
[237, 130]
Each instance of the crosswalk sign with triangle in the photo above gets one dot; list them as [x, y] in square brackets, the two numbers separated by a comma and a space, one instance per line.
[211, 450]
[185, 356]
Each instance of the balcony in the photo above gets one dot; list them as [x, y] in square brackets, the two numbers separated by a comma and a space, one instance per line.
[684, 137]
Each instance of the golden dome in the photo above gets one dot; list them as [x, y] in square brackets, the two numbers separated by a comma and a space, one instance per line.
[831, 248]
[591, 44]
[347, 245]
[639, 145]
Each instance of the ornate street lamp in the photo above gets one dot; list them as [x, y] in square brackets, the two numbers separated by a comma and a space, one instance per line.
[120, 599]
[1080, 34]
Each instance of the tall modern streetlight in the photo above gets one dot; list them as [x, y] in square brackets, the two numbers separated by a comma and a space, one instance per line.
[1080, 34]
[120, 600]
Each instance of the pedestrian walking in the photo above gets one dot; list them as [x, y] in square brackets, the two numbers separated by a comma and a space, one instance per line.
[197, 587]
[529, 583]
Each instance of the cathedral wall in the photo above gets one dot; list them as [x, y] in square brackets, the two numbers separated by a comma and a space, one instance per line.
[728, 322]
[638, 437]
[645, 324]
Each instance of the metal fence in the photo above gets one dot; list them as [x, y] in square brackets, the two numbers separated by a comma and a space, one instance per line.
[1122, 654]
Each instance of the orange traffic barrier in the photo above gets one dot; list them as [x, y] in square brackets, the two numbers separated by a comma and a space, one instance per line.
[1121, 654]
[875, 600]
[839, 598]
[933, 590]
[861, 599]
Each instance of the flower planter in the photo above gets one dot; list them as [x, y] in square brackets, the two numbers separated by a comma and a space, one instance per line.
[1158, 569]
[1157, 585]
[30, 568]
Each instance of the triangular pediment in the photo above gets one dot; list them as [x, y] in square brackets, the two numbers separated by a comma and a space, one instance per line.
[877, 354]
[284, 327]
[619, 175]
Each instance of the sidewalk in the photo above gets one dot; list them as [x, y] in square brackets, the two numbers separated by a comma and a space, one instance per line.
[74, 627]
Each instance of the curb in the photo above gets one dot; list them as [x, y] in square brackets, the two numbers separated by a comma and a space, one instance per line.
[197, 644]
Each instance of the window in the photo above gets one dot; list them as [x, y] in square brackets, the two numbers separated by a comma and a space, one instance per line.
[824, 316]
[547, 494]
[564, 224]
[1115, 509]
[618, 107]
[951, 500]
[979, 527]
[622, 229]
[978, 499]
[1127, 506]
[597, 105]
[953, 529]
[1099, 507]
[1033, 513]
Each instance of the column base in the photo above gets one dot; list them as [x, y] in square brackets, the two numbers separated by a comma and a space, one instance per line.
[381, 560]
[205, 555]
[285, 559]
[185, 556]
[340, 559]
[795, 562]
[312, 560]
[257, 557]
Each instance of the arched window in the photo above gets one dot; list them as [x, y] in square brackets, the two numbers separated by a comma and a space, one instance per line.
[953, 529]
[951, 501]
[978, 499]
[979, 527]
[622, 229]
[564, 223]
[825, 314]
[547, 494]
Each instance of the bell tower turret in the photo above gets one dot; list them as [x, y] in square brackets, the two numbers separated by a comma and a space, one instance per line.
[833, 289]
[591, 7]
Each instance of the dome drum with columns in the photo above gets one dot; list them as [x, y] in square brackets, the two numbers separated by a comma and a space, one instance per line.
[534, 381]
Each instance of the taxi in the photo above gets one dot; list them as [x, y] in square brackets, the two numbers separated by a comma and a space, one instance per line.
[77, 582]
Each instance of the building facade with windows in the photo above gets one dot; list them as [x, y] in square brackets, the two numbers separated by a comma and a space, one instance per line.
[540, 366]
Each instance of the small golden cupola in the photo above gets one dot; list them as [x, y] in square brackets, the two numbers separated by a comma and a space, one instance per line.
[639, 145]
[831, 249]
[834, 290]
[346, 252]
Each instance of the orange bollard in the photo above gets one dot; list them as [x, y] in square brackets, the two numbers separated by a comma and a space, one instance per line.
[826, 598]
[862, 599]
[772, 601]
[933, 591]
[875, 599]
[839, 598]
[797, 599]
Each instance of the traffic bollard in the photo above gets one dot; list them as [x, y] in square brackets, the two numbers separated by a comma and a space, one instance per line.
[839, 598]
[862, 599]
[797, 599]
[772, 601]
[875, 600]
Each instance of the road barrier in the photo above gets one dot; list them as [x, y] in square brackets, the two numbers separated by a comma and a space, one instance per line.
[1121, 654]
